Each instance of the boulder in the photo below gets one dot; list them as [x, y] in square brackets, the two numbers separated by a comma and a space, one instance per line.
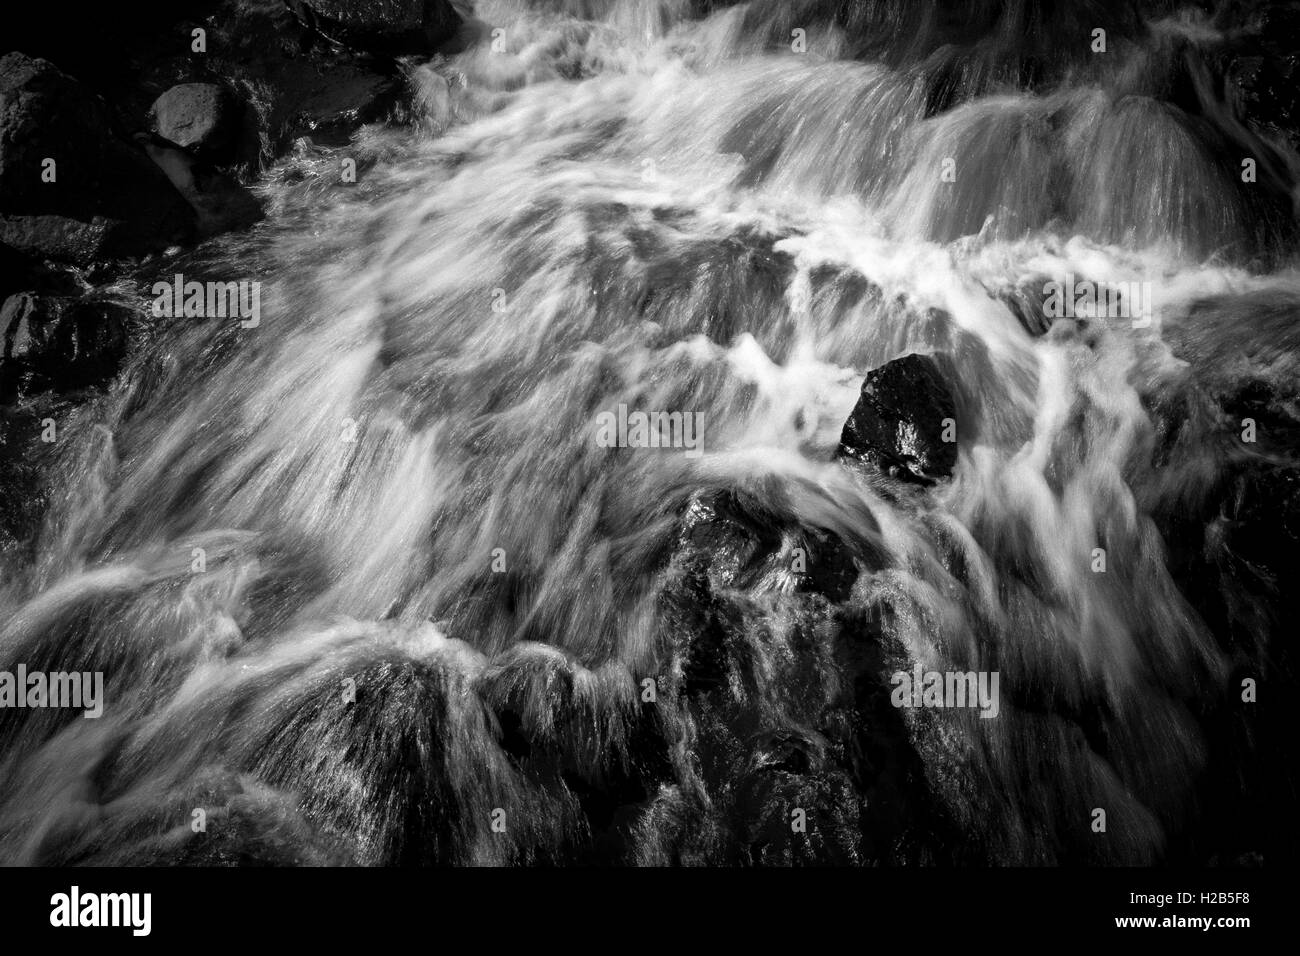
[204, 118]
[101, 197]
[899, 421]
[390, 27]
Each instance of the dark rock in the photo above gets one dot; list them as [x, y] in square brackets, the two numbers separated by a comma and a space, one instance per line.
[15, 271]
[899, 420]
[290, 84]
[730, 539]
[1228, 513]
[383, 772]
[1262, 63]
[24, 321]
[285, 80]
[219, 202]
[61, 237]
[96, 337]
[326, 103]
[719, 541]
[204, 118]
[63, 343]
[611, 758]
[392, 27]
[107, 198]
[21, 273]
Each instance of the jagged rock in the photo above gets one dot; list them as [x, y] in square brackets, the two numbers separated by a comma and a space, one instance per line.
[201, 117]
[393, 27]
[101, 196]
[899, 421]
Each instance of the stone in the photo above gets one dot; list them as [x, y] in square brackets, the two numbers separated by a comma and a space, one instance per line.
[204, 118]
[901, 420]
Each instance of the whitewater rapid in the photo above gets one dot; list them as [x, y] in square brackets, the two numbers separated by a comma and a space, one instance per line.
[393, 479]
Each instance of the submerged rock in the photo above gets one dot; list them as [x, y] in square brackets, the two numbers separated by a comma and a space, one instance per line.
[782, 680]
[69, 187]
[731, 539]
[900, 421]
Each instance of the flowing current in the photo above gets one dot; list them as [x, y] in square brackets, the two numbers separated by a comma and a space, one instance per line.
[365, 588]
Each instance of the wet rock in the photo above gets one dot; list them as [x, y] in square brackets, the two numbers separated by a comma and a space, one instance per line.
[204, 118]
[732, 539]
[392, 27]
[1262, 63]
[69, 187]
[1026, 304]
[326, 102]
[583, 731]
[899, 422]
[718, 540]
[286, 81]
[60, 343]
[24, 318]
[755, 605]
[61, 238]
[399, 772]
[292, 84]
[1227, 506]
[23, 492]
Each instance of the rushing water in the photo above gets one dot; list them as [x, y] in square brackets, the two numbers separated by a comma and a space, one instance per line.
[361, 576]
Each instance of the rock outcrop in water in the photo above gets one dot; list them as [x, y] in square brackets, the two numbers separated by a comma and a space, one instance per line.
[781, 683]
[904, 422]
